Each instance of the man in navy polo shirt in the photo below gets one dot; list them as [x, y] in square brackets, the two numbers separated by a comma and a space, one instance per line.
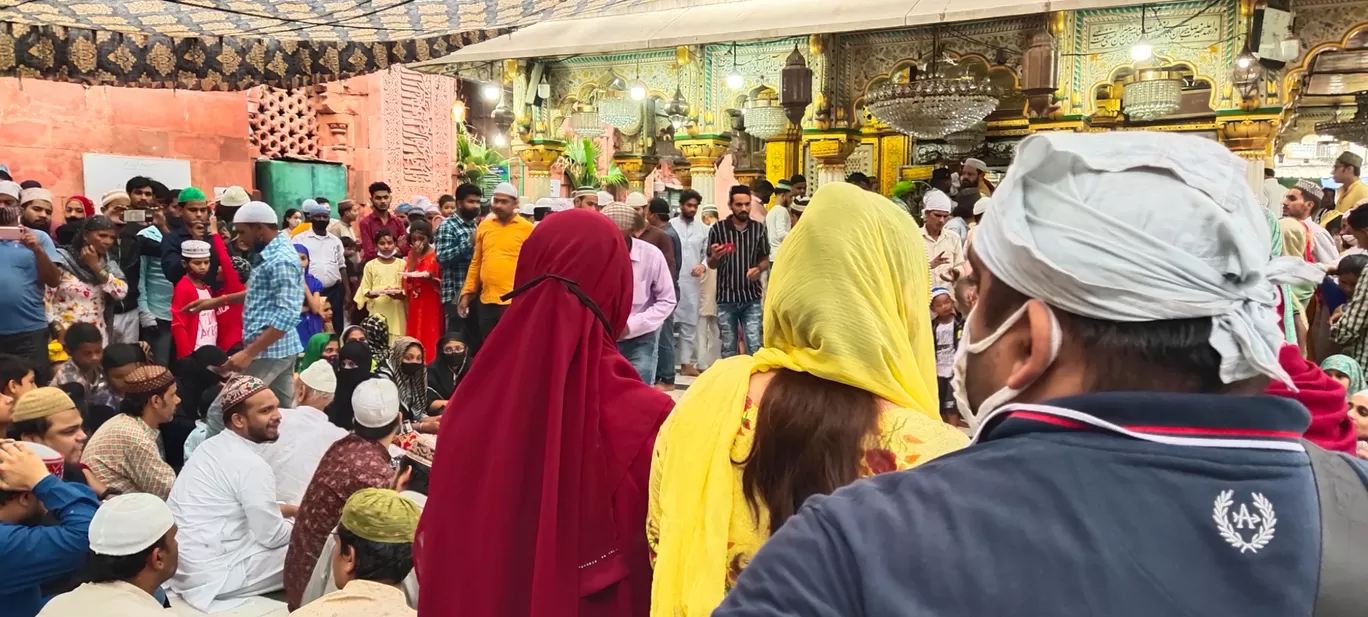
[26, 270]
[1125, 462]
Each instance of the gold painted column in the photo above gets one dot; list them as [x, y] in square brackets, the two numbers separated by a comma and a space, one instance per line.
[703, 152]
[1251, 138]
[831, 148]
[783, 155]
[538, 155]
[636, 167]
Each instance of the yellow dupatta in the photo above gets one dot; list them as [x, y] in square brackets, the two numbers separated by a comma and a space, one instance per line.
[849, 303]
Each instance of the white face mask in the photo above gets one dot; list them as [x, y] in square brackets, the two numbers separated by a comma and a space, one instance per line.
[385, 254]
[1004, 394]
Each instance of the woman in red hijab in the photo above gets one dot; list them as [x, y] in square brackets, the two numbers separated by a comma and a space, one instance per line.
[537, 504]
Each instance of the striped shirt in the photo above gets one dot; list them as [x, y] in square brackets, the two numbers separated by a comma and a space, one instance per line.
[752, 246]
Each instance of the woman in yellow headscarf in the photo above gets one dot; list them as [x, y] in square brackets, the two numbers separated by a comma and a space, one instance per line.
[845, 387]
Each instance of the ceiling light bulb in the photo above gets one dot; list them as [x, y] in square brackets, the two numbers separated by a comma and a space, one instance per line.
[637, 91]
[1142, 51]
[677, 122]
[491, 92]
[499, 140]
[1244, 61]
[735, 81]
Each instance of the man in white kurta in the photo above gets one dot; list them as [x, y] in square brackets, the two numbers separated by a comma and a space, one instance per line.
[693, 244]
[305, 433]
[1298, 202]
[944, 251]
[778, 223]
[233, 532]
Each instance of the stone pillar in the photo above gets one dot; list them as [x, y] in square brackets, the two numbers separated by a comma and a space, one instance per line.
[1250, 138]
[636, 167]
[703, 152]
[831, 148]
[539, 155]
[783, 155]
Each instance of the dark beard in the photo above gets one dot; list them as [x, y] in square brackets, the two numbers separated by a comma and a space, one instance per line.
[35, 227]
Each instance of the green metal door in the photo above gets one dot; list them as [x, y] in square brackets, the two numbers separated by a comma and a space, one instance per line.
[286, 184]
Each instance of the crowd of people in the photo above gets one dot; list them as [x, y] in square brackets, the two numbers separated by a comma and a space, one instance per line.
[206, 402]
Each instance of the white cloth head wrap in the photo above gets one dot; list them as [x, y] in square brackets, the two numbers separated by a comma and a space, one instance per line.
[936, 200]
[1143, 226]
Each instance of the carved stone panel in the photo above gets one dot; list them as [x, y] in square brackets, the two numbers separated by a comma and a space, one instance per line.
[416, 121]
[283, 123]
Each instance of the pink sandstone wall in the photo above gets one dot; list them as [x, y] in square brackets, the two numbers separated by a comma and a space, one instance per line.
[46, 126]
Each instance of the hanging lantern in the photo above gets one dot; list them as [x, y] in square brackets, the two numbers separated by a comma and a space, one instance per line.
[1040, 72]
[677, 109]
[1248, 75]
[503, 117]
[795, 93]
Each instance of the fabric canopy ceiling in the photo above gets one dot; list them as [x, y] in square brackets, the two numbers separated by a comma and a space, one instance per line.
[236, 44]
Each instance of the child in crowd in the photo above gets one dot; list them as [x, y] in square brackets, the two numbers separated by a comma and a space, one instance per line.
[351, 256]
[381, 291]
[327, 315]
[945, 326]
[966, 296]
[85, 346]
[311, 314]
[190, 331]
[16, 378]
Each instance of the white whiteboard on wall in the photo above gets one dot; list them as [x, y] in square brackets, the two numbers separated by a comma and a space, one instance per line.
[108, 172]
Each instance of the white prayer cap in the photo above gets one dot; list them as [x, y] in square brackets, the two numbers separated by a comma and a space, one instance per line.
[636, 200]
[1073, 223]
[195, 249]
[235, 196]
[526, 208]
[975, 164]
[10, 188]
[1362, 396]
[936, 200]
[939, 291]
[319, 376]
[375, 403]
[604, 198]
[256, 212]
[506, 189]
[982, 205]
[421, 203]
[35, 194]
[562, 204]
[311, 207]
[127, 524]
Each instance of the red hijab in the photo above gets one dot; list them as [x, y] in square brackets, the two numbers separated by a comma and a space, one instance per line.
[537, 505]
[1324, 397]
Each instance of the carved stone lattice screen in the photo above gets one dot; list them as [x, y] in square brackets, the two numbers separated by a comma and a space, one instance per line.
[284, 123]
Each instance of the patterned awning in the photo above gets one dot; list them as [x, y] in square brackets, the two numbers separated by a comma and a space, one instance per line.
[237, 44]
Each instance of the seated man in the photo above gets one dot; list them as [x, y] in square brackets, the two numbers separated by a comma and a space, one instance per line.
[132, 552]
[116, 363]
[123, 453]
[34, 554]
[49, 417]
[375, 555]
[305, 433]
[233, 531]
[359, 460]
[415, 472]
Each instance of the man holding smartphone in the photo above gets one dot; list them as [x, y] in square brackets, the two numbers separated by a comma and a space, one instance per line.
[26, 268]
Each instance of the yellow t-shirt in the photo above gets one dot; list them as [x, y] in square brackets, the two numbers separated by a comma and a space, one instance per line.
[496, 258]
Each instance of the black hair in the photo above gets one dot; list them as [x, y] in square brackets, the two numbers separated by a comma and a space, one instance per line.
[81, 333]
[288, 212]
[122, 354]
[421, 476]
[13, 368]
[690, 194]
[739, 189]
[423, 227]
[5, 175]
[445, 198]
[36, 426]
[138, 182]
[466, 190]
[34, 184]
[1333, 225]
[323, 200]
[858, 178]
[797, 178]
[762, 186]
[109, 568]
[162, 194]
[380, 562]
[375, 434]
[376, 187]
[133, 404]
[77, 393]
[1357, 218]
[1269, 173]
[1352, 264]
[964, 204]
[659, 206]
[1172, 355]
[381, 233]
[348, 243]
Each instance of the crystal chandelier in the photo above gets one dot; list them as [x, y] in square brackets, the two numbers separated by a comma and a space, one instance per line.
[584, 122]
[765, 119]
[620, 112]
[933, 106]
[968, 140]
[1354, 130]
[1152, 94]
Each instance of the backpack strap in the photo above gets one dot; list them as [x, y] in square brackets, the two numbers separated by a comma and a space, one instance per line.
[1343, 586]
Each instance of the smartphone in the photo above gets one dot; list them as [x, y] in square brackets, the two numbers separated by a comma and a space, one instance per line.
[135, 216]
[9, 233]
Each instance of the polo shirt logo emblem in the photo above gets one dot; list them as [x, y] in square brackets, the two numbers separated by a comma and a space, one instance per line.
[1233, 526]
